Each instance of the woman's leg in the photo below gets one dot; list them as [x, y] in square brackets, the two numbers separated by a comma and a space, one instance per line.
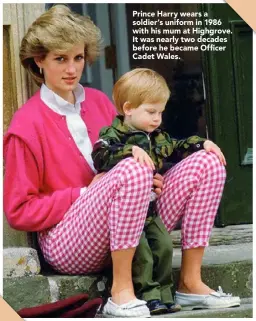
[190, 274]
[192, 190]
[122, 288]
[108, 217]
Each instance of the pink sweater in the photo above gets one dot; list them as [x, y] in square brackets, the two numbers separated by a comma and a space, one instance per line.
[44, 169]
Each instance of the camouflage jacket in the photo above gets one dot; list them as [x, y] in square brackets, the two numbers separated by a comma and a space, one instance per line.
[116, 141]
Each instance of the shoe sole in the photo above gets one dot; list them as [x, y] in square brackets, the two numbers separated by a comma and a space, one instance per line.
[158, 311]
[174, 310]
[194, 307]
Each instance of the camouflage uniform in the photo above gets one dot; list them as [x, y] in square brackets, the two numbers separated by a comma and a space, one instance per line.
[116, 143]
[153, 255]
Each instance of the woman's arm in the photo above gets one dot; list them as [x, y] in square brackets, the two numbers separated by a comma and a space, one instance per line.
[24, 206]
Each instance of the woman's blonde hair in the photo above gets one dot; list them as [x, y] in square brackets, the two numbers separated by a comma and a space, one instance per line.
[60, 29]
[140, 86]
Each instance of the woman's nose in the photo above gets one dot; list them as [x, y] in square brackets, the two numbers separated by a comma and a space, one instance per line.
[71, 67]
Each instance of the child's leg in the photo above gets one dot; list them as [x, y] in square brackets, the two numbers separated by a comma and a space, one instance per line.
[160, 243]
[142, 272]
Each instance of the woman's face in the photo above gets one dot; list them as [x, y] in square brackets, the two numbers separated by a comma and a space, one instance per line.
[62, 71]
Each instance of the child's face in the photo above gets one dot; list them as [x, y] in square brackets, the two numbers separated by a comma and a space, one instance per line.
[146, 117]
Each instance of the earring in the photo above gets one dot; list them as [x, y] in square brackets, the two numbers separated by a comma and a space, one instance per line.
[40, 70]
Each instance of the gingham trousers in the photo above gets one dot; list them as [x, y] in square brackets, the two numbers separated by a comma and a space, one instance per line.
[110, 215]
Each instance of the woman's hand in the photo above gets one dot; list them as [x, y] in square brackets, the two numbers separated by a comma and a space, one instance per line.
[209, 146]
[96, 178]
[142, 157]
[158, 182]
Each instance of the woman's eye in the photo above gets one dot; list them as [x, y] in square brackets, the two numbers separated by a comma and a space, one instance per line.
[59, 59]
[79, 58]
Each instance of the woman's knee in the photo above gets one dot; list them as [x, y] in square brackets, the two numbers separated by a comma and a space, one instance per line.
[133, 171]
[211, 163]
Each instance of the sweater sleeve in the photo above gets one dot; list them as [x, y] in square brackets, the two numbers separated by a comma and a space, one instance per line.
[25, 207]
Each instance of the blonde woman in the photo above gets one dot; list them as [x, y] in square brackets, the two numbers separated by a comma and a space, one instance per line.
[51, 186]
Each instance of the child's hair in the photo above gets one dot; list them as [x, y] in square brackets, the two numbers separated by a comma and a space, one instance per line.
[140, 86]
[59, 29]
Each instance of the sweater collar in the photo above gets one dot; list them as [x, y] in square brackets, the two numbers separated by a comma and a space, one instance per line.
[60, 105]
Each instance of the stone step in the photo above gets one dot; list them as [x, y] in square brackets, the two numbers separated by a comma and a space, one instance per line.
[220, 254]
[229, 266]
[228, 235]
[244, 311]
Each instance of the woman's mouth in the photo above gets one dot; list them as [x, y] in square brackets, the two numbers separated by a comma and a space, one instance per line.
[69, 80]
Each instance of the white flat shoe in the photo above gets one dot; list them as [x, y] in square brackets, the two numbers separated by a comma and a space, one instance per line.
[214, 300]
[133, 309]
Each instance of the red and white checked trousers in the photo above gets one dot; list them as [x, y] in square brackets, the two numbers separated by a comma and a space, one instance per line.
[110, 215]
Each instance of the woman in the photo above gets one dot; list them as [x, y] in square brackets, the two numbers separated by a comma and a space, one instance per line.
[50, 184]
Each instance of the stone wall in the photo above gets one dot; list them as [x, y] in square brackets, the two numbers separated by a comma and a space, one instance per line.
[17, 87]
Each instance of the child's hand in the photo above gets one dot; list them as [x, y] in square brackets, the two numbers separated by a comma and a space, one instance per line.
[142, 157]
[158, 182]
[209, 146]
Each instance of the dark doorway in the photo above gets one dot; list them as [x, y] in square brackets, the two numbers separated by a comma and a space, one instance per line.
[185, 111]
